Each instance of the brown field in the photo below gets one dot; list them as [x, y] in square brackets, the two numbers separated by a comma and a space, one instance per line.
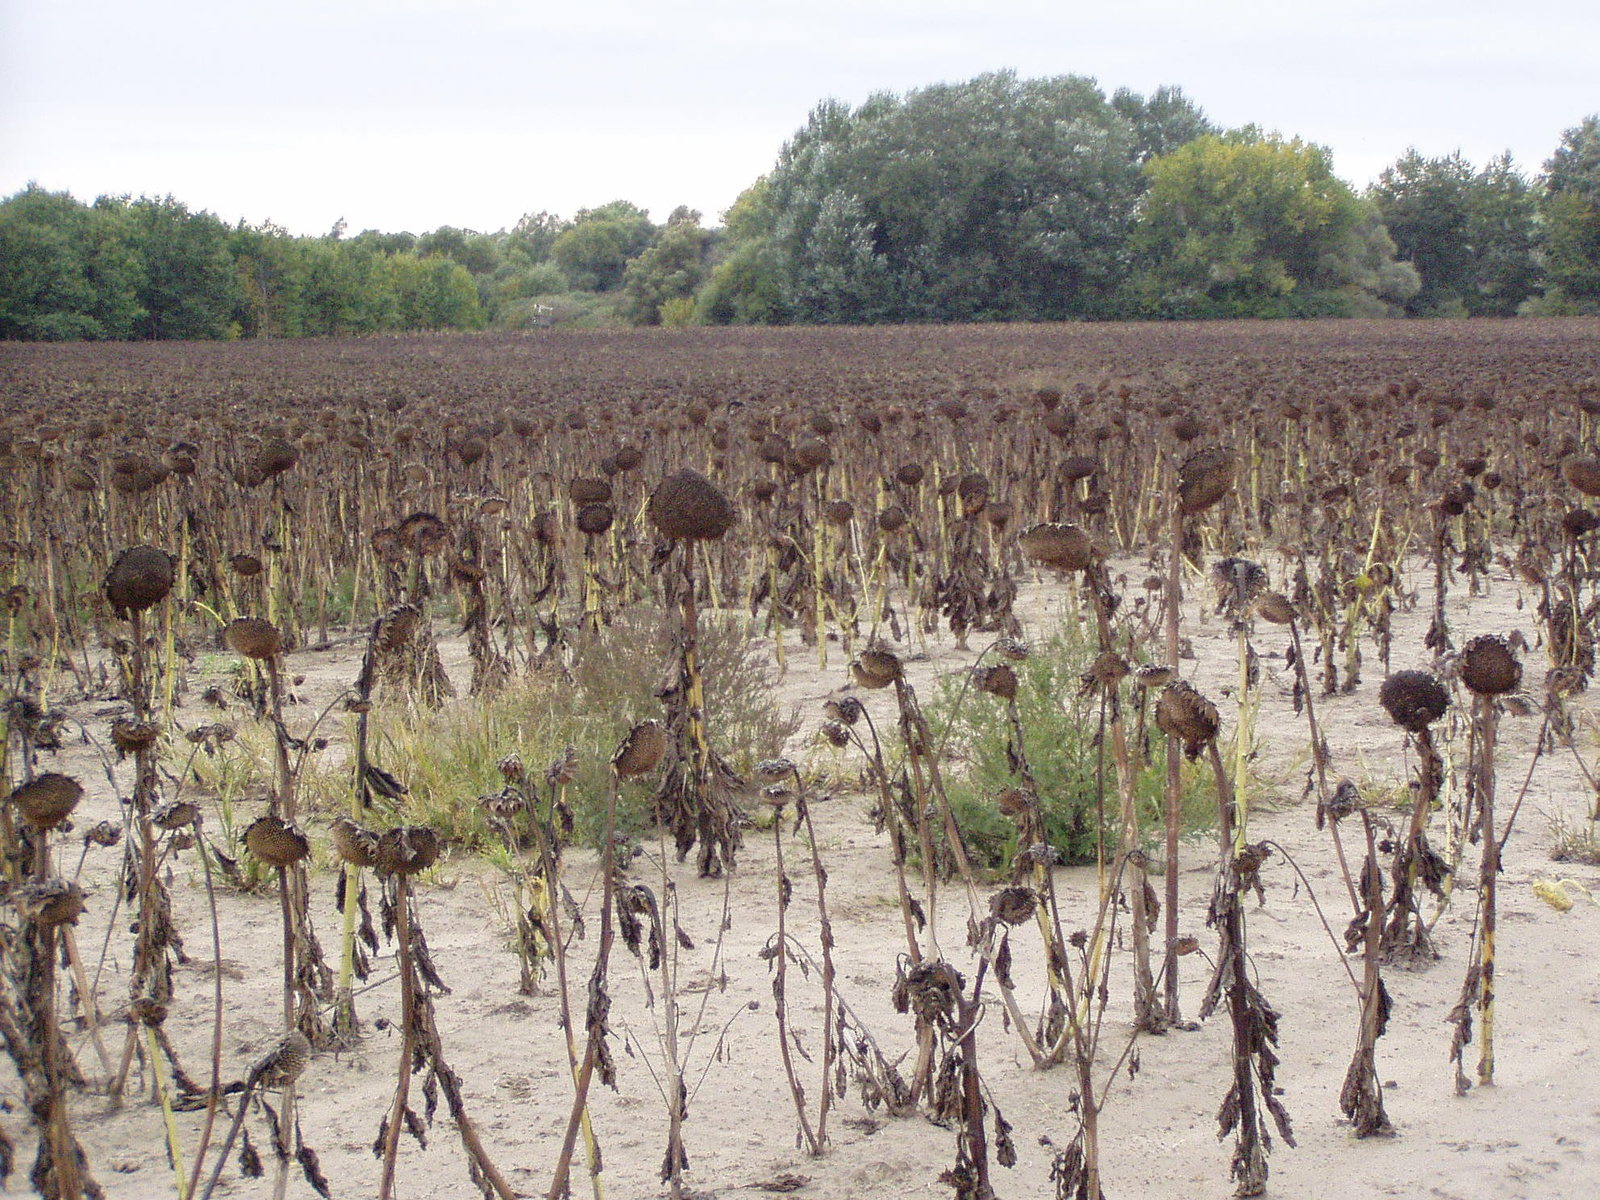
[454, 551]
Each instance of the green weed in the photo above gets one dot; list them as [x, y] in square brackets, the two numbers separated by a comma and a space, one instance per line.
[1061, 729]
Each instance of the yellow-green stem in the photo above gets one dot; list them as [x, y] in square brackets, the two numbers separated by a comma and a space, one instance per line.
[174, 1147]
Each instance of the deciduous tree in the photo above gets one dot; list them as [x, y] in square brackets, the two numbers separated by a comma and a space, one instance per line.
[1252, 224]
[1572, 216]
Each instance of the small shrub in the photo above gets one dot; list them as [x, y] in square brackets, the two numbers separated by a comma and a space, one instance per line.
[1059, 729]
[1573, 841]
[677, 312]
[450, 758]
[619, 675]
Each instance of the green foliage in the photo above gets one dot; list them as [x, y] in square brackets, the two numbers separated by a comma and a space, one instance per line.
[1470, 234]
[1572, 217]
[678, 312]
[1360, 277]
[751, 217]
[187, 288]
[1059, 730]
[1161, 124]
[1250, 224]
[150, 268]
[449, 758]
[995, 199]
[595, 250]
[745, 283]
[622, 671]
[515, 281]
[998, 198]
[434, 293]
[477, 252]
[744, 288]
[386, 244]
[237, 775]
[839, 277]
[569, 310]
[1505, 227]
[67, 271]
[531, 240]
[670, 270]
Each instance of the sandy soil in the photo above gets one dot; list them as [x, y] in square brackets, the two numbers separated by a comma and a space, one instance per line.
[1536, 1133]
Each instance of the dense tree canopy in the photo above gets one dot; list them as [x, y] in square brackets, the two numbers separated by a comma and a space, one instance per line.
[187, 286]
[995, 199]
[66, 271]
[596, 248]
[661, 282]
[1572, 216]
[1247, 224]
[1470, 234]
[998, 198]
[745, 285]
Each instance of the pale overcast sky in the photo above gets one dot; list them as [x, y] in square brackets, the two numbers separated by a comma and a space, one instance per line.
[410, 114]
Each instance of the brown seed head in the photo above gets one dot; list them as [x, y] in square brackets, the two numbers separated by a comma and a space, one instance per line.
[640, 751]
[1205, 478]
[47, 800]
[775, 770]
[1346, 799]
[130, 736]
[396, 627]
[583, 491]
[997, 680]
[179, 814]
[51, 902]
[1577, 522]
[284, 1063]
[973, 489]
[689, 507]
[1012, 649]
[1186, 427]
[1583, 474]
[276, 842]
[1063, 547]
[1013, 905]
[1078, 466]
[879, 662]
[1182, 712]
[564, 769]
[253, 637]
[274, 456]
[1154, 675]
[353, 843]
[595, 519]
[845, 709]
[139, 579]
[1489, 667]
[407, 850]
[422, 532]
[1413, 699]
[1275, 607]
[1238, 582]
[808, 455]
[1109, 669]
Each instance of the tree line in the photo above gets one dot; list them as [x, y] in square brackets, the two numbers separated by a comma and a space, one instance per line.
[996, 199]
